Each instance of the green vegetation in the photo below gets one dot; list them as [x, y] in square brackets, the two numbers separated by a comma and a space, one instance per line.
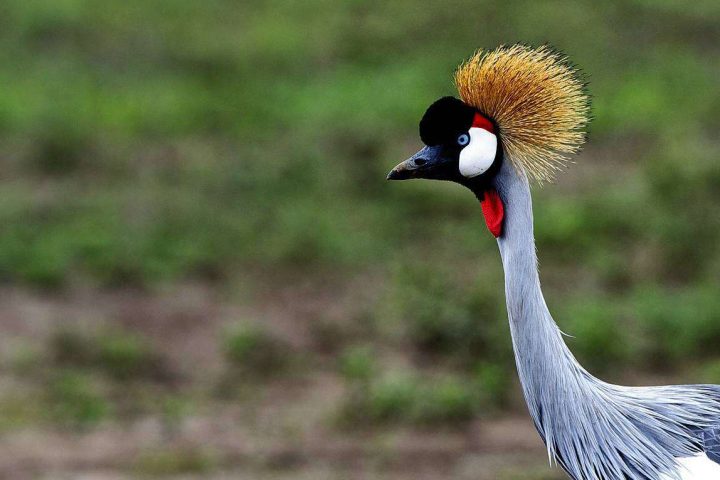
[423, 401]
[76, 401]
[193, 141]
[444, 315]
[181, 461]
[255, 351]
[357, 364]
[120, 355]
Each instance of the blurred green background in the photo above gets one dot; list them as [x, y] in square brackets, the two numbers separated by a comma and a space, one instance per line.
[205, 275]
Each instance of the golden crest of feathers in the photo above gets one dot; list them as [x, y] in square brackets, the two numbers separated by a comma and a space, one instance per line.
[537, 101]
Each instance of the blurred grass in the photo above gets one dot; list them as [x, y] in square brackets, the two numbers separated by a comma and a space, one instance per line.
[254, 351]
[146, 145]
[169, 462]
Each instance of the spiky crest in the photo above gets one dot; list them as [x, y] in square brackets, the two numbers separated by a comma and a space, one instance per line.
[536, 98]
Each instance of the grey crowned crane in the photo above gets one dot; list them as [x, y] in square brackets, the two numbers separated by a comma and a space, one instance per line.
[521, 112]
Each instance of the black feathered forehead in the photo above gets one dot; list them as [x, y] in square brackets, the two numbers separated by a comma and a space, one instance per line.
[444, 120]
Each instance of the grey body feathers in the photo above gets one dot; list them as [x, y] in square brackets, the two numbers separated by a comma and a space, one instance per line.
[594, 430]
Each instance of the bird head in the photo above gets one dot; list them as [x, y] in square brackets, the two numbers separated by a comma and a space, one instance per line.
[461, 145]
[519, 104]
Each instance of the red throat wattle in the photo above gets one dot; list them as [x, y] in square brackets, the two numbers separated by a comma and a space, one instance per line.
[493, 211]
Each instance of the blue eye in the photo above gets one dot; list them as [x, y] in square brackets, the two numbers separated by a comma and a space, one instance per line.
[463, 139]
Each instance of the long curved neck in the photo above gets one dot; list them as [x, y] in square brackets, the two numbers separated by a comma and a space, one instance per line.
[543, 360]
[594, 429]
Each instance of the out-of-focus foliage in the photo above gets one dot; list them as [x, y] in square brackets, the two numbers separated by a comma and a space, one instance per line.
[147, 142]
[243, 146]
[255, 351]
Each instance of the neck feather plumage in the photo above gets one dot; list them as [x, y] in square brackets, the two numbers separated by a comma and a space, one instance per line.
[593, 429]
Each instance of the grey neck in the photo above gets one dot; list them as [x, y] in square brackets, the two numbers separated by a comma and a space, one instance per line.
[543, 360]
[595, 430]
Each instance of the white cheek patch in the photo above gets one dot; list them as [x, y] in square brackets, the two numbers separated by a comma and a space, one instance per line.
[479, 154]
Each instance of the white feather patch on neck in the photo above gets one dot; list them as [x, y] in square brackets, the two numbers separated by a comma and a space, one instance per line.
[479, 154]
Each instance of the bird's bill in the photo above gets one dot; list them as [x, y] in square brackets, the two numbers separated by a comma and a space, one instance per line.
[430, 162]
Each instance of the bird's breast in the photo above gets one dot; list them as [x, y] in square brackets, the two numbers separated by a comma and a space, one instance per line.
[699, 467]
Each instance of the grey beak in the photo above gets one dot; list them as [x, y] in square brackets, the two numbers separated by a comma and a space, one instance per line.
[403, 170]
[417, 165]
